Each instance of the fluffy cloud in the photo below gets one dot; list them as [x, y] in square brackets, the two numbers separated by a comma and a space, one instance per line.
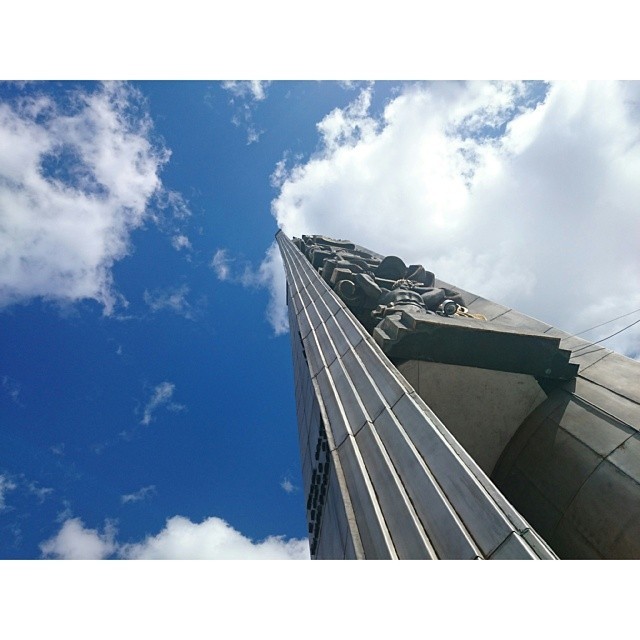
[161, 396]
[180, 241]
[75, 181]
[523, 193]
[213, 539]
[181, 539]
[75, 542]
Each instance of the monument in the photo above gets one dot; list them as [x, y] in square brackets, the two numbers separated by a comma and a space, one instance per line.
[435, 423]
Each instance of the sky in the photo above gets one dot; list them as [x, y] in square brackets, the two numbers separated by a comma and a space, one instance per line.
[146, 390]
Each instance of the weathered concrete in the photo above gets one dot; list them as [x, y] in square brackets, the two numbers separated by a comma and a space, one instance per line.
[482, 408]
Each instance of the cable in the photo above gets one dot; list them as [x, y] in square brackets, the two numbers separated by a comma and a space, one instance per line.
[607, 322]
[603, 339]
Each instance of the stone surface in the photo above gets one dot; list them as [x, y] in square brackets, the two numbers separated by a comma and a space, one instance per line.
[400, 483]
[482, 408]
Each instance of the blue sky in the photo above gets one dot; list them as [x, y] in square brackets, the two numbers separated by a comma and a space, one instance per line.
[179, 401]
[146, 392]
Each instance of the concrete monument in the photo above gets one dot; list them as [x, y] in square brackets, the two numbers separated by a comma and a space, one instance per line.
[435, 423]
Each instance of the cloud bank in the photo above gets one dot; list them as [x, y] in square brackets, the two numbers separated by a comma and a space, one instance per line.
[75, 180]
[181, 539]
[522, 192]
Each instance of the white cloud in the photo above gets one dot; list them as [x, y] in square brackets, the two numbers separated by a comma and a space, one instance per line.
[6, 485]
[75, 542]
[252, 89]
[181, 539]
[161, 396]
[39, 492]
[74, 183]
[246, 94]
[139, 495]
[522, 193]
[288, 486]
[269, 275]
[220, 263]
[213, 539]
[180, 242]
[171, 299]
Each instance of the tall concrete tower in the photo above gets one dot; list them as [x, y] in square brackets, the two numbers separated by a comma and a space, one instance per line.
[434, 423]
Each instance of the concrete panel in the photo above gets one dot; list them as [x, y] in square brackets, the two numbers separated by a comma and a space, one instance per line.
[295, 303]
[499, 502]
[386, 377]
[337, 423]
[348, 326]
[330, 544]
[627, 458]
[314, 357]
[446, 532]
[405, 528]
[619, 408]
[519, 320]
[557, 398]
[482, 408]
[606, 513]
[323, 310]
[513, 548]
[410, 369]
[535, 541]
[464, 492]
[314, 426]
[347, 397]
[371, 396]
[374, 535]
[590, 426]
[329, 300]
[340, 341]
[314, 316]
[305, 297]
[336, 500]
[620, 374]
[349, 549]
[307, 468]
[537, 509]
[326, 344]
[570, 544]
[557, 463]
